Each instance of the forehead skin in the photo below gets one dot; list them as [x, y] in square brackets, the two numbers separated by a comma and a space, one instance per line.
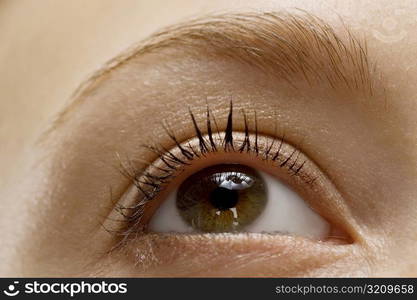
[51, 48]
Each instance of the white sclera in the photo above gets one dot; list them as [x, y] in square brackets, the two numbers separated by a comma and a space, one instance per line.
[285, 212]
[167, 218]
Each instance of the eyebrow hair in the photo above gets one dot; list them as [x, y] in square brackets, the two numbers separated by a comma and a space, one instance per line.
[281, 43]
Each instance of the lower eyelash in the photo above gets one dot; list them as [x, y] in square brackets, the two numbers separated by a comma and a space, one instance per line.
[150, 181]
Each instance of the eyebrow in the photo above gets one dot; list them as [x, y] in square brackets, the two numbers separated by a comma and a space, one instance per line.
[286, 45]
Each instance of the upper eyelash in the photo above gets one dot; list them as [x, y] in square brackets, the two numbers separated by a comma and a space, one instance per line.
[132, 214]
[205, 146]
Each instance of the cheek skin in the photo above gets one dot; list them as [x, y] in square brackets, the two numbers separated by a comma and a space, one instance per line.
[232, 255]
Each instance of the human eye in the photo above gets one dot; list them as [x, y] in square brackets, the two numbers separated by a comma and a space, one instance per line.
[229, 181]
[235, 198]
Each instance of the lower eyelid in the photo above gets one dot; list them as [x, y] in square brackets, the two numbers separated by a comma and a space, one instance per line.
[233, 254]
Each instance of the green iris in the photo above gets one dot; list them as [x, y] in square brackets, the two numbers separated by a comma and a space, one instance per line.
[222, 198]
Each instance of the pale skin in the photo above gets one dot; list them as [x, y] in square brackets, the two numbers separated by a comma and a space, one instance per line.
[54, 188]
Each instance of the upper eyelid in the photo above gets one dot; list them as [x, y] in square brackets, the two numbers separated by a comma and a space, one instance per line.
[206, 144]
[286, 45]
[312, 180]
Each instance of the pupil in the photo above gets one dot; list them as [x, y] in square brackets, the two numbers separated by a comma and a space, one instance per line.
[223, 199]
